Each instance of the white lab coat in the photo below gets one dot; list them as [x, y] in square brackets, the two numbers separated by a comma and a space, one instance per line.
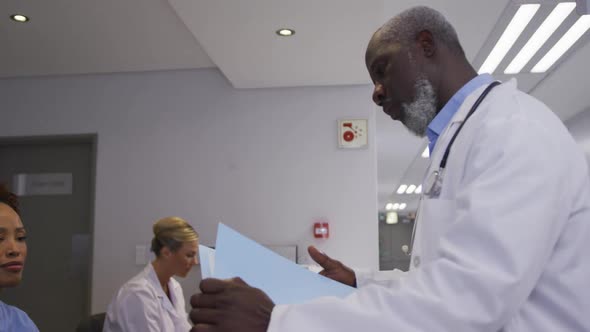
[504, 247]
[142, 306]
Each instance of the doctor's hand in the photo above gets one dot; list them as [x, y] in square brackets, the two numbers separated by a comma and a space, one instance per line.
[333, 269]
[230, 305]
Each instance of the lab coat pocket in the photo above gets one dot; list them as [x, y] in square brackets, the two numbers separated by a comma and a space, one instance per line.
[436, 216]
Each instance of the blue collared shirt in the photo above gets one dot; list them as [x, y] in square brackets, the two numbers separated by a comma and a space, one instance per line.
[442, 119]
[14, 319]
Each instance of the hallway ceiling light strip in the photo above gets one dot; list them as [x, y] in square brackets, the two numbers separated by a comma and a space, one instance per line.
[402, 189]
[519, 22]
[540, 37]
[563, 45]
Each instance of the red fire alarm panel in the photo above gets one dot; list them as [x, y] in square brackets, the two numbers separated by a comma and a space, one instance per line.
[321, 230]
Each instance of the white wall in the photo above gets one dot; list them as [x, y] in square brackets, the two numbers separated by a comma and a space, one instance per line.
[186, 143]
[579, 127]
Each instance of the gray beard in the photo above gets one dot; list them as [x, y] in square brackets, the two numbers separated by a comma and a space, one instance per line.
[418, 114]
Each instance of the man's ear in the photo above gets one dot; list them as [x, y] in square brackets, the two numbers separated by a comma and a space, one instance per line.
[426, 43]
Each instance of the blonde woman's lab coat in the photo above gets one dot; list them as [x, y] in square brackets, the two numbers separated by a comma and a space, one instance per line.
[142, 305]
[503, 248]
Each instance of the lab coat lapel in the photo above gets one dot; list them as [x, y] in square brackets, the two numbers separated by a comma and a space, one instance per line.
[164, 300]
[429, 223]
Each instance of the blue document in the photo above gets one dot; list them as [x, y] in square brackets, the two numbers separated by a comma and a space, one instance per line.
[207, 261]
[282, 280]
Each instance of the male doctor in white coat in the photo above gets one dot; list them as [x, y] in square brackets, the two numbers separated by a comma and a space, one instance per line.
[503, 227]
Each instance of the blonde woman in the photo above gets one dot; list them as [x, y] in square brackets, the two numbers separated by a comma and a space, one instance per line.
[153, 301]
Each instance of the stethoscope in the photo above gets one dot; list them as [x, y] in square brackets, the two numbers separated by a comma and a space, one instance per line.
[433, 183]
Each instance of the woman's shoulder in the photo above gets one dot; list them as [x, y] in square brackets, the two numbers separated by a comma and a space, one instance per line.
[142, 285]
[9, 311]
[14, 319]
[137, 285]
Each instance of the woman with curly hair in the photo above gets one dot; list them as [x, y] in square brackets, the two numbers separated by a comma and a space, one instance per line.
[13, 253]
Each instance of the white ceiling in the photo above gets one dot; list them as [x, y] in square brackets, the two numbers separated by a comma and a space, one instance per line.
[327, 48]
[100, 36]
[238, 37]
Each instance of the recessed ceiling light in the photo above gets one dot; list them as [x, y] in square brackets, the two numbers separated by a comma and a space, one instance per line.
[285, 32]
[19, 18]
[389, 206]
[521, 19]
[402, 206]
[411, 189]
[551, 23]
[568, 40]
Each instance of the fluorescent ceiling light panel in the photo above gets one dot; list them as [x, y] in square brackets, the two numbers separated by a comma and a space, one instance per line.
[395, 206]
[563, 45]
[389, 206]
[411, 189]
[418, 190]
[521, 19]
[402, 206]
[546, 30]
[402, 189]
